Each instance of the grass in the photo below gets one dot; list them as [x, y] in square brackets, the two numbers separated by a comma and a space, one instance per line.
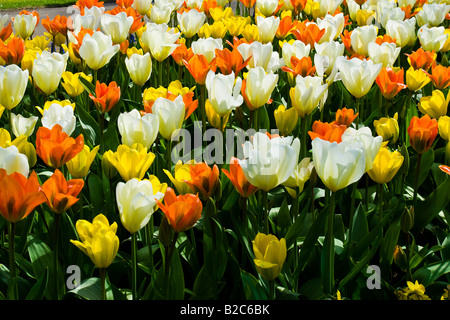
[23, 4]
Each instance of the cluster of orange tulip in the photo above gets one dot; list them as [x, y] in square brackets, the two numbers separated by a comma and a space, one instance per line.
[344, 104]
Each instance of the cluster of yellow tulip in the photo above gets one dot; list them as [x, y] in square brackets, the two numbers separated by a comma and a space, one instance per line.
[344, 105]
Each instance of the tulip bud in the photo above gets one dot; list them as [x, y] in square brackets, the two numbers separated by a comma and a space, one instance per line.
[400, 258]
[407, 219]
[165, 234]
[270, 254]
[405, 154]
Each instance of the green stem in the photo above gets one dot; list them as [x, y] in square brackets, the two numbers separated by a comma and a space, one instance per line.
[11, 244]
[134, 265]
[416, 187]
[169, 155]
[256, 119]
[56, 253]
[149, 230]
[328, 274]
[169, 252]
[102, 272]
[272, 295]
[380, 200]
[357, 107]
[265, 202]
[160, 72]
[303, 134]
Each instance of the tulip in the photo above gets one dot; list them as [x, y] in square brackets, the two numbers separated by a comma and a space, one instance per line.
[98, 240]
[142, 6]
[261, 55]
[306, 94]
[416, 79]
[48, 70]
[12, 52]
[13, 83]
[49, 103]
[432, 14]
[331, 50]
[182, 211]
[285, 120]
[139, 68]
[223, 92]
[440, 76]
[170, 114]
[55, 147]
[72, 84]
[198, 66]
[159, 40]
[358, 75]
[182, 174]
[136, 201]
[214, 118]
[345, 117]
[361, 37]
[21, 125]
[390, 13]
[106, 96]
[79, 166]
[387, 128]
[117, 26]
[135, 128]
[97, 49]
[331, 132]
[19, 195]
[160, 14]
[270, 254]
[131, 162]
[435, 105]
[432, 39]
[267, 28]
[258, 87]
[390, 82]
[309, 32]
[57, 114]
[12, 161]
[300, 175]
[230, 61]
[404, 32]
[24, 25]
[269, 162]
[338, 165]
[421, 59]
[444, 127]
[61, 194]
[333, 27]
[238, 179]
[422, 133]
[267, 7]
[207, 47]
[203, 179]
[190, 22]
[386, 53]
[385, 165]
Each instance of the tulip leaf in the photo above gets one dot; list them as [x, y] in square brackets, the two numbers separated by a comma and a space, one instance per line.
[90, 127]
[89, 289]
[88, 86]
[38, 290]
[388, 245]
[430, 273]
[95, 185]
[360, 227]
[252, 287]
[428, 209]
[425, 166]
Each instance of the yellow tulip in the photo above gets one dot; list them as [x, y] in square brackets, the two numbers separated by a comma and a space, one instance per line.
[385, 165]
[218, 13]
[39, 42]
[131, 162]
[71, 83]
[28, 59]
[270, 254]
[218, 30]
[387, 128]
[23, 146]
[236, 24]
[98, 240]
[416, 79]
[182, 172]
[444, 127]
[134, 50]
[108, 169]
[365, 17]
[62, 103]
[157, 185]
[213, 117]
[286, 120]
[79, 166]
[251, 33]
[435, 105]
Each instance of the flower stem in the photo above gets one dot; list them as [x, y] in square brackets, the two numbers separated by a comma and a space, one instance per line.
[55, 260]
[265, 202]
[134, 265]
[419, 161]
[357, 112]
[328, 269]
[303, 133]
[12, 261]
[102, 272]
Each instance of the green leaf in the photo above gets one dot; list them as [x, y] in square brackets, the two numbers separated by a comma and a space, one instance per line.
[360, 227]
[38, 290]
[95, 185]
[89, 289]
[88, 86]
[389, 242]
[428, 274]
[91, 128]
[252, 287]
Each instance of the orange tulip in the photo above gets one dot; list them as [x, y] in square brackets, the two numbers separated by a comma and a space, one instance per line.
[204, 179]
[390, 82]
[55, 26]
[55, 147]
[13, 51]
[124, 3]
[19, 195]
[285, 27]
[409, 12]
[440, 76]
[301, 67]
[360, 2]
[238, 179]
[384, 38]
[199, 67]
[189, 102]
[230, 61]
[445, 168]
[347, 41]
[6, 32]
[422, 133]
[308, 34]
[61, 194]
[81, 4]
[207, 5]
[299, 5]
[421, 59]
[106, 96]
[248, 3]
[327, 131]
[138, 21]
[182, 53]
[345, 117]
[182, 211]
